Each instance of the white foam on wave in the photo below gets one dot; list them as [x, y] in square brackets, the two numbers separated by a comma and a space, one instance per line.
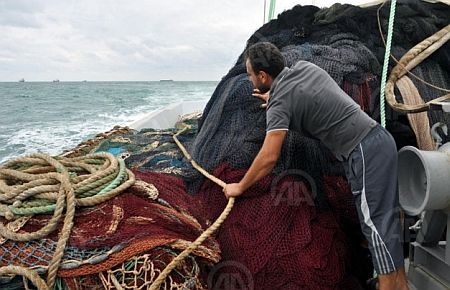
[53, 139]
[124, 117]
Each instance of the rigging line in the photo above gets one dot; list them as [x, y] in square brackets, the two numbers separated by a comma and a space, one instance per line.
[264, 16]
[395, 59]
[386, 64]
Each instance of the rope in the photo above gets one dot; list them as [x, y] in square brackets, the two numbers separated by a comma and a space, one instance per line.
[410, 60]
[90, 189]
[386, 63]
[264, 14]
[271, 10]
[420, 123]
[396, 60]
[175, 262]
[31, 275]
[103, 178]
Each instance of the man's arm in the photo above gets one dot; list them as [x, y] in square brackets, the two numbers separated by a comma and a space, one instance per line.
[262, 165]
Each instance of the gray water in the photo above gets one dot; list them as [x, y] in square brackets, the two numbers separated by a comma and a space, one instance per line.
[51, 117]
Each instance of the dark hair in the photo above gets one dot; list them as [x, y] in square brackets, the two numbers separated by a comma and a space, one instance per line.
[264, 56]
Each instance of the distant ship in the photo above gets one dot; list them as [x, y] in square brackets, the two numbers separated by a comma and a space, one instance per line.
[166, 80]
[56, 81]
[22, 80]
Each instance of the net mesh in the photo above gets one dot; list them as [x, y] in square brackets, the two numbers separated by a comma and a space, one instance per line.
[140, 271]
[295, 229]
[37, 254]
[146, 217]
[279, 243]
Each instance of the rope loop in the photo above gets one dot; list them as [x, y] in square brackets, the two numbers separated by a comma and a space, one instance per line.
[41, 184]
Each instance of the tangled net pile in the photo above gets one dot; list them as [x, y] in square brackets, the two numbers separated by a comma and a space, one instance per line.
[295, 229]
[290, 245]
[123, 238]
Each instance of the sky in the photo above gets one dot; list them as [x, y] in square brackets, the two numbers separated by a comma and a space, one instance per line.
[134, 40]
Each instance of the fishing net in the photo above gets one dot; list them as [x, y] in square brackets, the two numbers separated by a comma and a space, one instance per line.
[140, 271]
[146, 226]
[279, 243]
[295, 229]
[274, 231]
[345, 41]
[37, 254]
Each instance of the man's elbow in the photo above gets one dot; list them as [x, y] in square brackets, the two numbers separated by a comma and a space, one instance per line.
[271, 159]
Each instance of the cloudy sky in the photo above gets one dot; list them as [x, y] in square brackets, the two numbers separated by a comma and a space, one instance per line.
[43, 40]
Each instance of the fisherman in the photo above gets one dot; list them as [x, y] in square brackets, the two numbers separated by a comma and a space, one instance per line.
[306, 99]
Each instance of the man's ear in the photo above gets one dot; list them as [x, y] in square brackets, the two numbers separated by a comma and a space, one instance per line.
[264, 76]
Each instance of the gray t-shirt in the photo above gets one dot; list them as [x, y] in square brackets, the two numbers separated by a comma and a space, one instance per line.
[306, 99]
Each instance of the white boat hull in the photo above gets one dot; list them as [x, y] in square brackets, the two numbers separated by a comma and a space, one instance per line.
[167, 117]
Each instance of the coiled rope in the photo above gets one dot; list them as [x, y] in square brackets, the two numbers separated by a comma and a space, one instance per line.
[410, 60]
[397, 61]
[41, 184]
[41, 193]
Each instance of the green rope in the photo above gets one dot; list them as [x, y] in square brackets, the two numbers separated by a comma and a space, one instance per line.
[35, 203]
[33, 210]
[92, 188]
[386, 63]
[94, 191]
[119, 178]
[101, 186]
[271, 10]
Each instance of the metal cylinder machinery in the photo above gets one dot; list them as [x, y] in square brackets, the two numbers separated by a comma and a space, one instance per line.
[424, 179]
[424, 189]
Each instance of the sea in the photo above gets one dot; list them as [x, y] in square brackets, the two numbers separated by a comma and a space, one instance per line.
[50, 117]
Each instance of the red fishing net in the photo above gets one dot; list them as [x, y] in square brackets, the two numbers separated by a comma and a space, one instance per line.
[275, 238]
[134, 229]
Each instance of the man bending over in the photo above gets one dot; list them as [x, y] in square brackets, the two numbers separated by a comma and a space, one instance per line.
[306, 99]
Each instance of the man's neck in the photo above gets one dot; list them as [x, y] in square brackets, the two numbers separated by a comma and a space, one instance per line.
[278, 78]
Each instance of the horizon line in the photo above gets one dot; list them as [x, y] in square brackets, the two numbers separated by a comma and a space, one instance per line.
[93, 81]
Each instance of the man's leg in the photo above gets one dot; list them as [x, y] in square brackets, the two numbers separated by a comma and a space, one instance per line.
[372, 173]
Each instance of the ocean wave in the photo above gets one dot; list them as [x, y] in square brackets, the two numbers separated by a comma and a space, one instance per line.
[52, 121]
